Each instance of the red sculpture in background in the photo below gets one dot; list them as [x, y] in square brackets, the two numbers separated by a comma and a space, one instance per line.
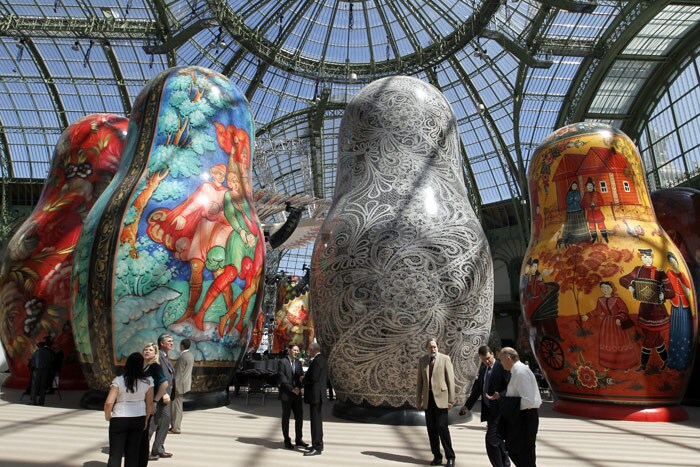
[36, 266]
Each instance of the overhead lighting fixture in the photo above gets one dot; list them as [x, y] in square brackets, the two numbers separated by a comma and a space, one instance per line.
[75, 46]
[86, 61]
[109, 13]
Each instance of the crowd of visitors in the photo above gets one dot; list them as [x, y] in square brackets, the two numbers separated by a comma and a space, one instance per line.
[146, 402]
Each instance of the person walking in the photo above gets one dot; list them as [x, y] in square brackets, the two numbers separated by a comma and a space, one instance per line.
[315, 384]
[289, 373]
[160, 423]
[41, 365]
[152, 368]
[183, 384]
[436, 395]
[492, 378]
[519, 417]
[129, 401]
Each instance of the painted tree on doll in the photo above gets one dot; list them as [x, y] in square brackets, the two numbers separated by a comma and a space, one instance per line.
[580, 270]
[181, 142]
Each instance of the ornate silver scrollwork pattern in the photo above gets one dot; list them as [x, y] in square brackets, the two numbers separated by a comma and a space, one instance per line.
[401, 255]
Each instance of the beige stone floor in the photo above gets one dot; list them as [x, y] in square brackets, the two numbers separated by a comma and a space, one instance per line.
[63, 434]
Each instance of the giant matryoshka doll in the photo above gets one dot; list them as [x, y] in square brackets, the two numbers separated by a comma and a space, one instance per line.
[293, 324]
[401, 256]
[678, 211]
[36, 265]
[605, 293]
[174, 245]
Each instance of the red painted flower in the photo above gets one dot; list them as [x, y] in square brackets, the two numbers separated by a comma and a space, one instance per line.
[586, 375]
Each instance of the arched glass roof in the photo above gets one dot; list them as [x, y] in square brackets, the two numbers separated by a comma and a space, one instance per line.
[513, 71]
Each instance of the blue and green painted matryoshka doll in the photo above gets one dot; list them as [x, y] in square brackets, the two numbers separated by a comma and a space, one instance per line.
[174, 244]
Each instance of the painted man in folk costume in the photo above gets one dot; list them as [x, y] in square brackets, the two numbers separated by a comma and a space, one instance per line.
[192, 229]
[592, 202]
[245, 244]
[651, 287]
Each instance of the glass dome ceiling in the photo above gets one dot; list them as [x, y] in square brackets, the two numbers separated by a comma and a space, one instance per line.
[512, 70]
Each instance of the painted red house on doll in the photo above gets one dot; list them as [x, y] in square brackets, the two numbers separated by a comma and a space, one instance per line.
[605, 167]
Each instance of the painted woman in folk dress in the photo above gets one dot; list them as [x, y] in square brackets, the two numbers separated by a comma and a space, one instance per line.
[617, 350]
[575, 225]
[681, 331]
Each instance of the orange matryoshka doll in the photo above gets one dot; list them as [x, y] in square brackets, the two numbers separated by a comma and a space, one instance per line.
[602, 284]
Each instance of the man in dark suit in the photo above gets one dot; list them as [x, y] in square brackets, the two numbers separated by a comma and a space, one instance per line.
[492, 378]
[183, 384]
[315, 384]
[436, 395]
[160, 423]
[289, 373]
[41, 366]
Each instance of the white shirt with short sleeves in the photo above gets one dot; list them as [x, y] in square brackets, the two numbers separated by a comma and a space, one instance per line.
[523, 384]
[131, 404]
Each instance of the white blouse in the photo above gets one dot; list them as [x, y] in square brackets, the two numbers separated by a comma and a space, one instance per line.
[131, 404]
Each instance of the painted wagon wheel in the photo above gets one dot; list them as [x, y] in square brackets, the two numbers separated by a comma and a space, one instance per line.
[552, 353]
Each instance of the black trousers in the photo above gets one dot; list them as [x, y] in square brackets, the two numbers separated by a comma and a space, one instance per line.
[495, 446]
[316, 419]
[144, 449]
[41, 378]
[438, 430]
[294, 405]
[125, 440]
[521, 437]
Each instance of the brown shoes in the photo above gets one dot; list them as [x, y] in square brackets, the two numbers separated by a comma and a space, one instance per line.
[174, 432]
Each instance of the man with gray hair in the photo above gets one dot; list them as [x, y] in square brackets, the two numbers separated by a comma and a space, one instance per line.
[183, 384]
[160, 423]
[519, 417]
[436, 395]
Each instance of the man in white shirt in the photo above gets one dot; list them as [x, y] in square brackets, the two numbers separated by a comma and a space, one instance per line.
[520, 426]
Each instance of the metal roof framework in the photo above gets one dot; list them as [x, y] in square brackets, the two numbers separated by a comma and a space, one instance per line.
[513, 72]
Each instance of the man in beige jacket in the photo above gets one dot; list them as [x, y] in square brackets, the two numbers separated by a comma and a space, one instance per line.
[436, 395]
[183, 383]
